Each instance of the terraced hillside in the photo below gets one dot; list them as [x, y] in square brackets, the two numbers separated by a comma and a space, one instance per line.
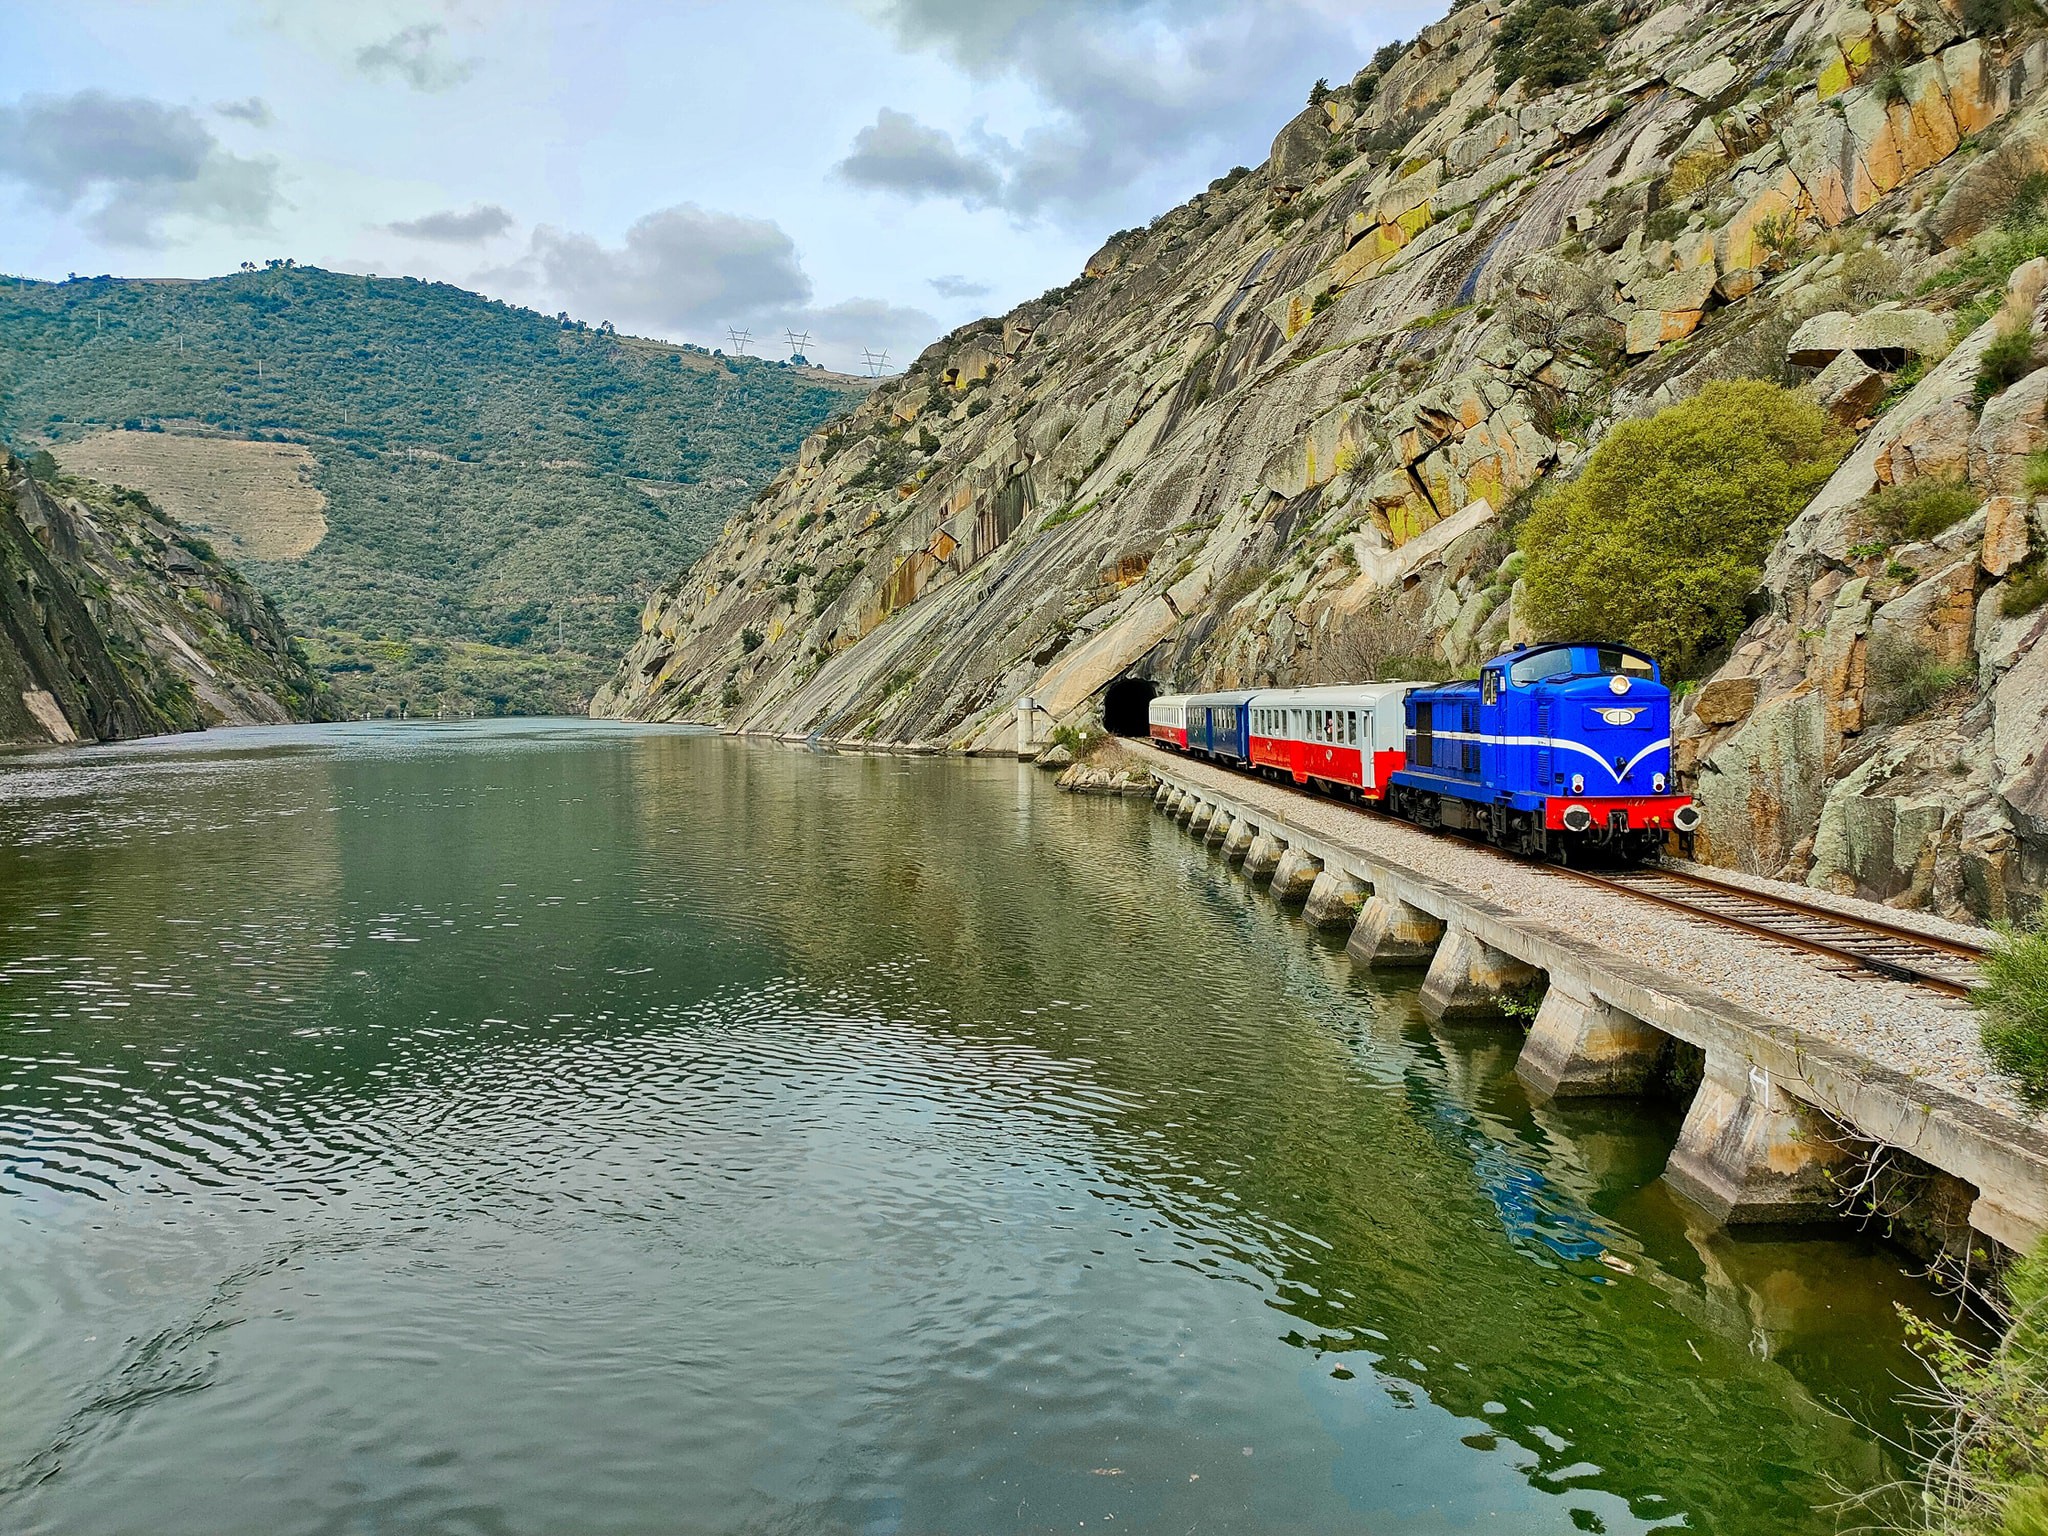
[457, 503]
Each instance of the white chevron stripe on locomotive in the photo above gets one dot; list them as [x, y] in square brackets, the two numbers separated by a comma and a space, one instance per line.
[1552, 741]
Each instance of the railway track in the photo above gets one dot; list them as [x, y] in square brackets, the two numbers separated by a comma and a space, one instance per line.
[1849, 945]
[1854, 944]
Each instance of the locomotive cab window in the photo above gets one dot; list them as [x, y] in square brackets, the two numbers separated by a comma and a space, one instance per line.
[1613, 661]
[1544, 664]
[1489, 686]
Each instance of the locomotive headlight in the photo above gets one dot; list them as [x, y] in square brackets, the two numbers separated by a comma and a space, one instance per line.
[1578, 783]
[1617, 684]
[1657, 782]
[1686, 817]
[1577, 819]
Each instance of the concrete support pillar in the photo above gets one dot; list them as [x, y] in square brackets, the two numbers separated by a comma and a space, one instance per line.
[1163, 793]
[1263, 857]
[1296, 876]
[1188, 806]
[1172, 802]
[1334, 900]
[1032, 724]
[1219, 829]
[1751, 1153]
[1391, 935]
[1198, 824]
[1468, 978]
[1580, 1047]
[1239, 843]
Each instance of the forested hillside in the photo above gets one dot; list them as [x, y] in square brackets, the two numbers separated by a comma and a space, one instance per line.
[488, 493]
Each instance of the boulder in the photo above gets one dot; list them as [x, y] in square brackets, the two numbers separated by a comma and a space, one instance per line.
[1847, 388]
[1882, 337]
[1055, 756]
[1726, 700]
[1299, 147]
[2013, 426]
[1738, 283]
[2007, 536]
[2019, 750]
[1711, 81]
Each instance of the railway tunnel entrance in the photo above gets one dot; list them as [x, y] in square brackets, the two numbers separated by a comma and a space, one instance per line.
[1124, 706]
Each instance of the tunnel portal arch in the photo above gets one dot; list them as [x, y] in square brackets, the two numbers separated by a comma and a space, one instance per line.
[1125, 706]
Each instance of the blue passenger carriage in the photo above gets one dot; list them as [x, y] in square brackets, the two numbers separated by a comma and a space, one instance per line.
[1219, 725]
[1554, 748]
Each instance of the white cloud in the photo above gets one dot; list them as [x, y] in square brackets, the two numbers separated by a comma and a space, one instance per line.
[1128, 85]
[418, 56]
[468, 226]
[678, 268]
[897, 153]
[131, 164]
[253, 110]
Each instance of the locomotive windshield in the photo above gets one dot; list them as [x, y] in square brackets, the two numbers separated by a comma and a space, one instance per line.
[1578, 661]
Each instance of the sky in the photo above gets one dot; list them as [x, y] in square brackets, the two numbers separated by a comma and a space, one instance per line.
[872, 172]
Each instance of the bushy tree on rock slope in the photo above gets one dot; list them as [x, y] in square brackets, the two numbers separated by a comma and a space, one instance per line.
[1664, 533]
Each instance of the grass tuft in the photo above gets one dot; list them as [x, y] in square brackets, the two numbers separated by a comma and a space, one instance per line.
[2013, 1007]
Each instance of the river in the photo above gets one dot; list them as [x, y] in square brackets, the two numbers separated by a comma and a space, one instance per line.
[561, 1127]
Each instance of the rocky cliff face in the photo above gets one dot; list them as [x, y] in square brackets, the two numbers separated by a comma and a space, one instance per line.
[1283, 434]
[115, 623]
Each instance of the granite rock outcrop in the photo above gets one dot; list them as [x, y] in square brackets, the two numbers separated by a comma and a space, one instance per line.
[1284, 433]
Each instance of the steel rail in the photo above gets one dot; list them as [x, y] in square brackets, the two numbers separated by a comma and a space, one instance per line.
[1894, 970]
[1959, 947]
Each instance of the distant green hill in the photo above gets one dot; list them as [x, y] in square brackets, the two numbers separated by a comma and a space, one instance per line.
[502, 489]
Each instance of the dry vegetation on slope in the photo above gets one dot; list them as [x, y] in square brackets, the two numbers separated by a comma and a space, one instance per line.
[256, 501]
[1290, 431]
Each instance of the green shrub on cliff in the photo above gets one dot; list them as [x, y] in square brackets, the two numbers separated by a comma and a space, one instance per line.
[2005, 362]
[1551, 42]
[2013, 1006]
[1663, 534]
[1920, 509]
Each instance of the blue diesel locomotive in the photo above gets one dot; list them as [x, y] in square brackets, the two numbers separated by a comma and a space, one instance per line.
[1555, 748]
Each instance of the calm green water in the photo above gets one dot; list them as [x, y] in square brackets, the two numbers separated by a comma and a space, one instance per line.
[550, 1127]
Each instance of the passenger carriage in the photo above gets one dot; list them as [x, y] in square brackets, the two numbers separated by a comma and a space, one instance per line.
[1218, 725]
[1349, 738]
[1166, 719]
[1554, 747]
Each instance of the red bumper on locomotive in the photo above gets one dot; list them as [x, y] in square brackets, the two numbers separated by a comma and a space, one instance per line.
[1632, 813]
